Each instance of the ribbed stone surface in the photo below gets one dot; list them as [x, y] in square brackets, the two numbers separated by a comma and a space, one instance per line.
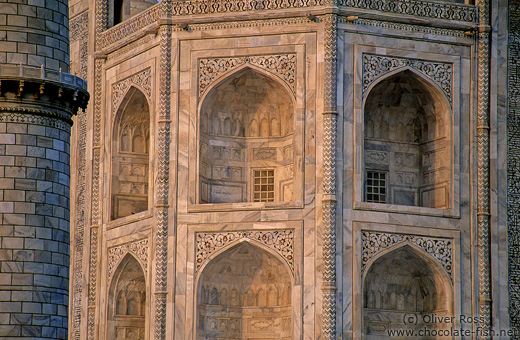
[35, 33]
[34, 228]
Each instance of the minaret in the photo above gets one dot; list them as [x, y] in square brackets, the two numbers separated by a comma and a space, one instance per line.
[37, 101]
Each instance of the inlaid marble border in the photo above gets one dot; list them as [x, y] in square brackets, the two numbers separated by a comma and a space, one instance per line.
[513, 165]
[427, 9]
[482, 230]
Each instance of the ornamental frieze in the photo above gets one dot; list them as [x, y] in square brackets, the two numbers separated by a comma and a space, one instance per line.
[280, 241]
[375, 66]
[438, 248]
[282, 65]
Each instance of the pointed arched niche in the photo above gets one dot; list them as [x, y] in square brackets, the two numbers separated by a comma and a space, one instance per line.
[244, 293]
[127, 301]
[404, 282]
[407, 143]
[130, 155]
[247, 140]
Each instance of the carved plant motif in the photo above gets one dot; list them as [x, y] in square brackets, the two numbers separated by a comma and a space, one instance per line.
[142, 79]
[375, 66]
[281, 241]
[137, 248]
[438, 248]
[283, 65]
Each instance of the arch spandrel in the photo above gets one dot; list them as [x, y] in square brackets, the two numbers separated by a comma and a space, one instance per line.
[377, 244]
[214, 70]
[280, 243]
[437, 74]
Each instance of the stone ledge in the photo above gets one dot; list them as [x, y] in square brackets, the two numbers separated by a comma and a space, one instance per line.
[32, 72]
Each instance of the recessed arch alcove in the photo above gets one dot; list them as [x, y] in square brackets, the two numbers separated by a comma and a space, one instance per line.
[130, 155]
[244, 292]
[127, 301]
[407, 142]
[404, 280]
[246, 129]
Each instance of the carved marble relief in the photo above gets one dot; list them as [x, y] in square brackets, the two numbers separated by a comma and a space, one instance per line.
[439, 248]
[283, 65]
[402, 283]
[244, 293]
[130, 158]
[141, 80]
[238, 119]
[280, 241]
[375, 66]
[406, 139]
[127, 301]
[139, 249]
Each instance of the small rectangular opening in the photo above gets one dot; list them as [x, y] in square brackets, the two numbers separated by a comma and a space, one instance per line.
[263, 185]
[375, 187]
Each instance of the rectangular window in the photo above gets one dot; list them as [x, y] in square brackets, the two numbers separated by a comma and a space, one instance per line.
[263, 185]
[376, 187]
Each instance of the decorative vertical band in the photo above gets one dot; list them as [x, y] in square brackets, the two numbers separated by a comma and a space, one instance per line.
[97, 141]
[95, 199]
[329, 179]
[79, 30]
[101, 19]
[483, 192]
[79, 228]
[91, 326]
[513, 165]
[162, 185]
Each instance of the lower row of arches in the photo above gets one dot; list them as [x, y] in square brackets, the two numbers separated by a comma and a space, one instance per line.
[246, 292]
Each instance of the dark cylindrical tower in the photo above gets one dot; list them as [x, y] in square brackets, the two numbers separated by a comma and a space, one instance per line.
[37, 101]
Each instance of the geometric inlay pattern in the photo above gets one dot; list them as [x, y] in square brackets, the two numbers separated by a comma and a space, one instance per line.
[283, 65]
[513, 165]
[375, 66]
[438, 248]
[138, 248]
[281, 241]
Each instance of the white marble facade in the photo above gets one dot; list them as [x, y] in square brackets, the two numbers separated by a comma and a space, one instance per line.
[208, 178]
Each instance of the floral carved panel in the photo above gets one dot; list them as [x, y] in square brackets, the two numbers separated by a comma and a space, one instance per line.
[439, 248]
[138, 248]
[375, 66]
[280, 241]
[143, 80]
[282, 65]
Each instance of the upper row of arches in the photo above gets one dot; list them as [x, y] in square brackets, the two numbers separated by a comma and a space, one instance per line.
[406, 143]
